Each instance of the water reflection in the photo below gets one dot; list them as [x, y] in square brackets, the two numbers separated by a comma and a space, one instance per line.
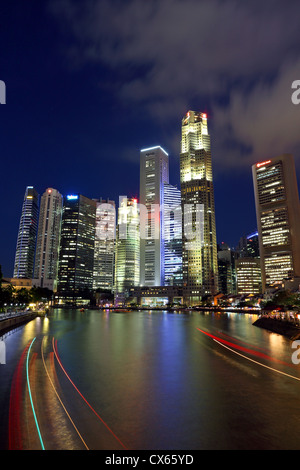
[159, 382]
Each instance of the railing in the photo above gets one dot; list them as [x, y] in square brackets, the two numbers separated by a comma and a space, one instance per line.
[9, 315]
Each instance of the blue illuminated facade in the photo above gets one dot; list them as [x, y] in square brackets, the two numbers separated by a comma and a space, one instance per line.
[172, 236]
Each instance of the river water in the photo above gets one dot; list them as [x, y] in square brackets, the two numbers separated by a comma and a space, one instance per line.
[148, 380]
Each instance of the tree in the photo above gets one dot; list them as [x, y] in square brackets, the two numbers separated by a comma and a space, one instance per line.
[23, 296]
[40, 293]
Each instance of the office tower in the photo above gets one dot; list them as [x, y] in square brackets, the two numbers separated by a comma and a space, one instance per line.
[26, 242]
[199, 248]
[248, 246]
[104, 244]
[248, 276]
[46, 258]
[154, 172]
[76, 254]
[278, 219]
[226, 269]
[127, 260]
[172, 235]
[252, 245]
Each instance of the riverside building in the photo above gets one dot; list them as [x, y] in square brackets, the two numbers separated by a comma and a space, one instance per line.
[127, 256]
[199, 245]
[248, 276]
[278, 219]
[104, 253]
[154, 173]
[76, 254]
[26, 241]
[172, 235]
[46, 258]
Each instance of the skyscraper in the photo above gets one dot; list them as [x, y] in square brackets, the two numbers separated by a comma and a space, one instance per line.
[226, 269]
[46, 258]
[127, 260]
[199, 249]
[172, 235]
[26, 242]
[76, 254]
[154, 172]
[248, 276]
[278, 219]
[104, 252]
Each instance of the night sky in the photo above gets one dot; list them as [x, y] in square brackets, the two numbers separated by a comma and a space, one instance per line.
[90, 83]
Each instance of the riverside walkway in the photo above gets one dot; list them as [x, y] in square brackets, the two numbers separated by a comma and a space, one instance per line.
[11, 319]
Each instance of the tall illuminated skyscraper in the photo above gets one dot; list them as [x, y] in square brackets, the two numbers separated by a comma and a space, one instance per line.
[278, 219]
[199, 249]
[172, 235]
[76, 253]
[46, 258]
[154, 172]
[26, 242]
[104, 252]
[127, 258]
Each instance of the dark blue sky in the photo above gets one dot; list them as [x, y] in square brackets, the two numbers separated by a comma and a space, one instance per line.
[91, 83]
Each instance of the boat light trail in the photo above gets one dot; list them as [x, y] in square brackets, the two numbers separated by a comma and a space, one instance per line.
[14, 426]
[242, 348]
[256, 362]
[59, 397]
[99, 417]
[30, 396]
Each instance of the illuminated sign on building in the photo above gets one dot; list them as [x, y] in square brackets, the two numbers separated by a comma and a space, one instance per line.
[72, 197]
[262, 164]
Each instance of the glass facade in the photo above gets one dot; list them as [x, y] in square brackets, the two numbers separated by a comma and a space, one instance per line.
[26, 242]
[127, 260]
[154, 172]
[278, 219]
[76, 255]
[172, 236]
[104, 253]
[46, 259]
[200, 266]
[248, 276]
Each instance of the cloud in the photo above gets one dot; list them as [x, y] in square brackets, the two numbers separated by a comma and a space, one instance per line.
[263, 121]
[167, 56]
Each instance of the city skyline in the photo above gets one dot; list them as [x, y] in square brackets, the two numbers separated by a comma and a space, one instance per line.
[79, 109]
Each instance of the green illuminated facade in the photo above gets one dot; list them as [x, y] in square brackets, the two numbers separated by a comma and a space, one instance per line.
[127, 258]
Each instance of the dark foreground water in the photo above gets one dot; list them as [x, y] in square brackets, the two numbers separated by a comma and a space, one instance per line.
[148, 380]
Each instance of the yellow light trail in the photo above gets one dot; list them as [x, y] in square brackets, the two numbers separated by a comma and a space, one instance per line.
[60, 398]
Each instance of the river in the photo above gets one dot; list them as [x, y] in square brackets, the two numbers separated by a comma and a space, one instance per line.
[148, 380]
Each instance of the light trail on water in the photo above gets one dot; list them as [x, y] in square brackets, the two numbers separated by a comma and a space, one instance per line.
[57, 395]
[30, 396]
[227, 344]
[98, 416]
